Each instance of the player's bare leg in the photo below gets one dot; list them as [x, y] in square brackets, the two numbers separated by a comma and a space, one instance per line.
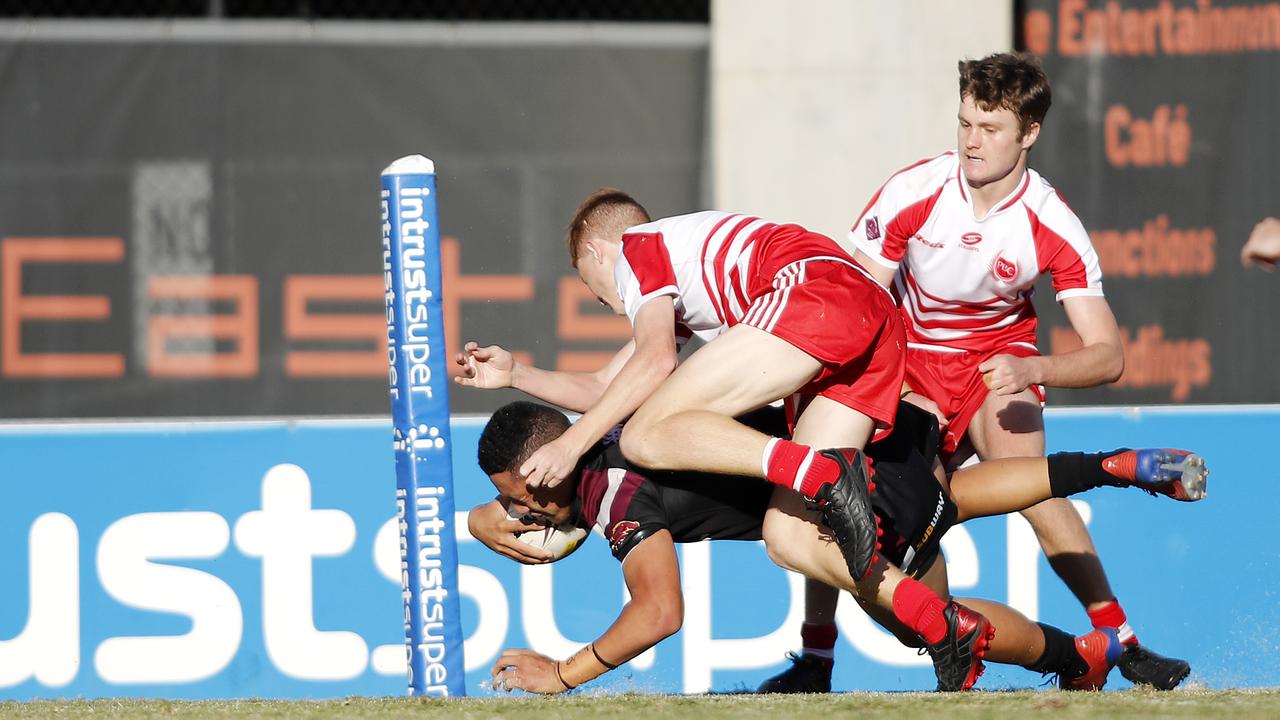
[935, 578]
[1016, 640]
[797, 540]
[999, 487]
[822, 423]
[1079, 662]
[820, 602]
[791, 528]
[1013, 426]
[956, 636]
[688, 424]
[810, 669]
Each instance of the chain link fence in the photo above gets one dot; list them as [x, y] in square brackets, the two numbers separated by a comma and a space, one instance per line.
[685, 11]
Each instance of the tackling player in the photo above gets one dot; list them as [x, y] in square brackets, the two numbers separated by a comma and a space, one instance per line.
[962, 238]
[784, 311]
[642, 514]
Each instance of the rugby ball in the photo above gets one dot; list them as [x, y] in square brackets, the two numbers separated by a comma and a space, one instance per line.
[560, 541]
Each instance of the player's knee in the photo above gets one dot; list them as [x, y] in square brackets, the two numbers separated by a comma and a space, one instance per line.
[637, 446]
[669, 620]
[781, 555]
[780, 542]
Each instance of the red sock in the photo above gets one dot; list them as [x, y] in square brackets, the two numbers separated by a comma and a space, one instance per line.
[1112, 615]
[798, 467]
[920, 609]
[819, 639]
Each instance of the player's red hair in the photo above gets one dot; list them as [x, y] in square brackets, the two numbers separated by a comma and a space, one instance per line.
[606, 213]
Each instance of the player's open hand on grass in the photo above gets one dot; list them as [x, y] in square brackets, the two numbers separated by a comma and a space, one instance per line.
[1008, 374]
[490, 524]
[484, 367]
[1263, 247]
[550, 464]
[522, 669]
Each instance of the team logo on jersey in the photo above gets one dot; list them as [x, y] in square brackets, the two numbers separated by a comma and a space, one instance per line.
[873, 228]
[971, 239]
[1006, 271]
[620, 531]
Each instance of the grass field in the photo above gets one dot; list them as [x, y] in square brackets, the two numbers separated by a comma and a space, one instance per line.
[866, 706]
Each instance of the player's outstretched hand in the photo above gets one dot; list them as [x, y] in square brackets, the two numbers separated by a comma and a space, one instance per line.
[1263, 246]
[523, 669]
[484, 367]
[490, 524]
[550, 464]
[1007, 374]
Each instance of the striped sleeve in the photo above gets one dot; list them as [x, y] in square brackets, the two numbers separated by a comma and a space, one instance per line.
[607, 499]
[643, 271]
[1063, 250]
[898, 210]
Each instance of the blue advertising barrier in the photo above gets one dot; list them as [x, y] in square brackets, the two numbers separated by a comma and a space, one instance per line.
[419, 390]
[261, 559]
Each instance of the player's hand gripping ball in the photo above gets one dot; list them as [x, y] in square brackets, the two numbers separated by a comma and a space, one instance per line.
[560, 541]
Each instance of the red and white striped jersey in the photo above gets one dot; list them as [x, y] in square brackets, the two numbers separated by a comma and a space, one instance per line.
[966, 284]
[714, 264]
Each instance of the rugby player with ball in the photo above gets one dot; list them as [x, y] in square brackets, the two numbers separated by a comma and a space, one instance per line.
[642, 514]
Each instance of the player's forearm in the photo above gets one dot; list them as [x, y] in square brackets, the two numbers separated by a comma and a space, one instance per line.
[639, 627]
[1092, 365]
[634, 383]
[575, 391]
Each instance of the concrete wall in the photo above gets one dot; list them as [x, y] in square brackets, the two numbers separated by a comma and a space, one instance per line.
[816, 102]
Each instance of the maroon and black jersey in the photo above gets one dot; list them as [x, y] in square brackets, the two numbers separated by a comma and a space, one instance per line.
[627, 504]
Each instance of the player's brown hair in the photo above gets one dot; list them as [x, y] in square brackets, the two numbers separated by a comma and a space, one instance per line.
[1015, 81]
[514, 431]
[605, 213]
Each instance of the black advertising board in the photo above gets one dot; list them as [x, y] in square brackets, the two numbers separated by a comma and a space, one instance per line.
[190, 227]
[1162, 137]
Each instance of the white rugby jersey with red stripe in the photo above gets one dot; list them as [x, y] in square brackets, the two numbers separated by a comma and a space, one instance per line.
[715, 264]
[966, 284]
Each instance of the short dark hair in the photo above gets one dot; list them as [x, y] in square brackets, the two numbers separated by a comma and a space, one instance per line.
[514, 432]
[606, 212]
[1015, 81]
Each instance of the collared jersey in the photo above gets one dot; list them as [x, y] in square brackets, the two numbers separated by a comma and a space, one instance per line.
[966, 284]
[713, 264]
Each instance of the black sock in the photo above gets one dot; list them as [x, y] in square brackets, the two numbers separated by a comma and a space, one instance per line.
[1060, 654]
[1071, 473]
